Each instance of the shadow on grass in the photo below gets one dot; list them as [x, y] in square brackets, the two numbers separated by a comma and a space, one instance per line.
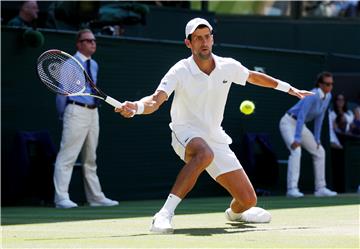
[232, 228]
[131, 209]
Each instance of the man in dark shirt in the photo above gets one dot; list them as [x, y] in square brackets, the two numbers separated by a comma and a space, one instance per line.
[28, 13]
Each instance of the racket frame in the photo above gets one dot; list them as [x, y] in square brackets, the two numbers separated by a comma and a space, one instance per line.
[101, 94]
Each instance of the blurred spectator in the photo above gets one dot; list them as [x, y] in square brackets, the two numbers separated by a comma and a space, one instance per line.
[318, 8]
[345, 8]
[115, 30]
[355, 125]
[339, 120]
[107, 18]
[349, 8]
[274, 8]
[171, 4]
[28, 14]
[71, 15]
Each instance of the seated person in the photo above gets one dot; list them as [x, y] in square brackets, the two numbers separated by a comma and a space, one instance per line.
[339, 108]
[355, 125]
[28, 14]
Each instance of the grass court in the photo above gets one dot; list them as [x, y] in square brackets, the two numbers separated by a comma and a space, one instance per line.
[308, 222]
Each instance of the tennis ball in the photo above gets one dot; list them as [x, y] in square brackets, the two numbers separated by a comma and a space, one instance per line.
[247, 107]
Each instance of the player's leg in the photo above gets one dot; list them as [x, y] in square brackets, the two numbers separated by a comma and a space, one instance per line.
[239, 186]
[197, 156]
[73, 136]
[318, 154]
[242, 207]
[228, 172]
[287, 130]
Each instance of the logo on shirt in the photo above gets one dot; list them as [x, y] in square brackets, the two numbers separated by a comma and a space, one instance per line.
[225, 81]
[164, 83]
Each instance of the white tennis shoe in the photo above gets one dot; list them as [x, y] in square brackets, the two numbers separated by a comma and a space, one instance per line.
[161, 223]
[294, 193]
[106, 202]
[66, 204]
[252, 215]
[324, 192]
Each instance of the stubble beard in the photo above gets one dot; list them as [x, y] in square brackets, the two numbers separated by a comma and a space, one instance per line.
[203, 56]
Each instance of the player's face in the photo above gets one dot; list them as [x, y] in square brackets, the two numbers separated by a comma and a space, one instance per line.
[87, 44]
[201, 43]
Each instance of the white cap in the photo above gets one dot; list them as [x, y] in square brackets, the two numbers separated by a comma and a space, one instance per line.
[194, 23]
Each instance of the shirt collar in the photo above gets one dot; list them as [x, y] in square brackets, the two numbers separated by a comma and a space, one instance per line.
[321, 93]
[196, 70]
[82, 57]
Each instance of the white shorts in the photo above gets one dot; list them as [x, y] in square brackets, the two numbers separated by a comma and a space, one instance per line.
[224, 161]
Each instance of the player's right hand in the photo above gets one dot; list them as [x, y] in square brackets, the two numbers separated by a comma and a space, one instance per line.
[127, 109]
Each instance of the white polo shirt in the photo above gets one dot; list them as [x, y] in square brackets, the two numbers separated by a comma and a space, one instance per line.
[199, 100]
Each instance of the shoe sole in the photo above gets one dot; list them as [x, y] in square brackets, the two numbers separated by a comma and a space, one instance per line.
[318, 195]
[294, 196]
[162, 231]
[58, 206]
[291, 196]
[103, 205]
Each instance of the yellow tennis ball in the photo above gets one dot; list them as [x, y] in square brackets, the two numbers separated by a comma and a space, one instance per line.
[247, 107]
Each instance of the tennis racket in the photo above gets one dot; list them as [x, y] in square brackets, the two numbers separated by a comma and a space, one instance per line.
[63, 74]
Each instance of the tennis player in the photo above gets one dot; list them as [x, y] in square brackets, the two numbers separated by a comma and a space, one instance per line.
[201, 84]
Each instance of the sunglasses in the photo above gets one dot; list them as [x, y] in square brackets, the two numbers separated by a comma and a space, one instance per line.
[327, 83]
[88, 40]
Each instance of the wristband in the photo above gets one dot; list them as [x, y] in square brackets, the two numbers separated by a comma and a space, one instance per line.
[283, 86]
[140, 107]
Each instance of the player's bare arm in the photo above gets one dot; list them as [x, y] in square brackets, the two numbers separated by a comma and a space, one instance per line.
[146, 105]
[261, 79]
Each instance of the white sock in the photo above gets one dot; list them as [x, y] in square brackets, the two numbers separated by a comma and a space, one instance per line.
[233, 214]
[171, 203]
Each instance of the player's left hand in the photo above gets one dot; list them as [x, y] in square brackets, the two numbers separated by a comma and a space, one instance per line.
[299, 93]
[127, 109]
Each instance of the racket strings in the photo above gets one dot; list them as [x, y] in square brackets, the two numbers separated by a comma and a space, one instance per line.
[61, 73]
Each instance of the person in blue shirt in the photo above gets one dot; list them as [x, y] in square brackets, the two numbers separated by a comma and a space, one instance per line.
[80, 134]
[296, 135]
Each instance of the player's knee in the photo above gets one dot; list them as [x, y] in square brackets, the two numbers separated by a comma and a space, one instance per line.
[206, 156]
[320, 153]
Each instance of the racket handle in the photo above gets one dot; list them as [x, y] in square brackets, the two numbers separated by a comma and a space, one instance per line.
[115, 103]
[112, 101]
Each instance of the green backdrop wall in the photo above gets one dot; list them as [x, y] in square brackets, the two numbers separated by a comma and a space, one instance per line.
[325, 35]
